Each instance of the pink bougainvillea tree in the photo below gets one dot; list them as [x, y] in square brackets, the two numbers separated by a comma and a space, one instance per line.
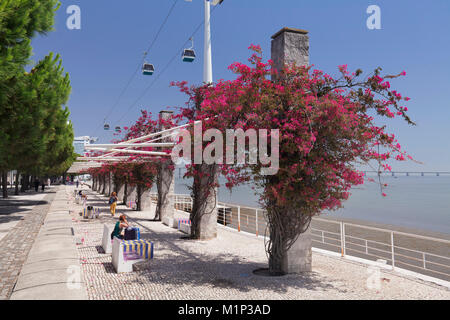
[328, 126]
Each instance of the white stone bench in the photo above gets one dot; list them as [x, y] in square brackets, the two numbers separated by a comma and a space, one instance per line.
[94, 214]
[185, 228]
[184, 225]
[171, 222]
[106, 240]
[123, 260]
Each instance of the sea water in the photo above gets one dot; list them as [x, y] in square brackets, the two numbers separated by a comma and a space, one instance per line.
[419, 202]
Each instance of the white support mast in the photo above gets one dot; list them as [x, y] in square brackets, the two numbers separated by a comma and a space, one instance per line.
[207, 60]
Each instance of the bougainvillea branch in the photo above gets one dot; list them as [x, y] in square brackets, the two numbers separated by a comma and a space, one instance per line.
[326, 127]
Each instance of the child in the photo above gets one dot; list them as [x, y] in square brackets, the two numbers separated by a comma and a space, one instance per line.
[113, 203]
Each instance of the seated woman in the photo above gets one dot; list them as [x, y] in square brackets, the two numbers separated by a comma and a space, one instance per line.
[120, 227]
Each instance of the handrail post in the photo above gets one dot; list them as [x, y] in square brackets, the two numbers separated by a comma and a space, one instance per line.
[256, 222]
[342, 239]
[224, 216]
[424, 261]
[239, 218]
[392, 249]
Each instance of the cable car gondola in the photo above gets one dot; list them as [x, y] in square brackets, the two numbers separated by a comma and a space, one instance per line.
[189, 54]
[106, 126]
[117, 129]
[148, 69]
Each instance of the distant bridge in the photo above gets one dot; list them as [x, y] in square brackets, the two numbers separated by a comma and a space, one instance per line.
[408, 173]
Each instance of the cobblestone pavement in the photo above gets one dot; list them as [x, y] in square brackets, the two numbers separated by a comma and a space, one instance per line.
[16, 244]
[222, 269]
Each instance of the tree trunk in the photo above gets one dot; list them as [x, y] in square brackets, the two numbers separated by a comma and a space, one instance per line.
[22, 183]
[16, 183]
[107, 185]
[204, 210]
[165, 185]
[125, 193]
[103, 185]
[120, 186]
[5, 184]
[289, 246]
[112, 184]
[138, 197]
[131, 193]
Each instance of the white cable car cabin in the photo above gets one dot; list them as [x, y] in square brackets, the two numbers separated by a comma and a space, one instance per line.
[148, 69]
[188, 55]
[106, 126]
[117, 129]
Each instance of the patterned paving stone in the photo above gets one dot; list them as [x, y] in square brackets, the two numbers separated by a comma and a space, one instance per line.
[221, 268]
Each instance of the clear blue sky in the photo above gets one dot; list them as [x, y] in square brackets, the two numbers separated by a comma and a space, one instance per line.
[102, 56]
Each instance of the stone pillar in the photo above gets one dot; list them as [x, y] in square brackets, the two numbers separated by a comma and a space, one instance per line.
[292, 46]
[299, 257]
[94, 183]
[131, 194]
[102, 184]
[120, 192]
[204, 210]
[146, 202]
[112, 187]
[125, 193]
[107, 191]
[165, 181]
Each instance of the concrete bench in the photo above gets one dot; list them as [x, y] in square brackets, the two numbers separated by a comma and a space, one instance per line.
[184, 225]
[94, 214]
[171, 222]
[131, 205]
[125, 253]
[106, 240]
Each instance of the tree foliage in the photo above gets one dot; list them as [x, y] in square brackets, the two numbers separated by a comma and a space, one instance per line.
[327, 127]
[35, 137]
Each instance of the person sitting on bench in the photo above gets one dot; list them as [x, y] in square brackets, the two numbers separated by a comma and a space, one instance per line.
[119, 229]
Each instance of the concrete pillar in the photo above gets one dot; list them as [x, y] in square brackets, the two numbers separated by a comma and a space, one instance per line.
[146, 202]
[112, 185]
[120, 191]
[131, 194]
[292, 46]
[299, 256]
[102, 184]
[107, 191]
[204, 210]
[165, 181]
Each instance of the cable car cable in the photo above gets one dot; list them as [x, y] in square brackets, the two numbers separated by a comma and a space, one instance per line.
[165, 68]
[139, 66]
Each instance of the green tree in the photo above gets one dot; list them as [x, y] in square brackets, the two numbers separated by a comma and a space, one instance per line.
[35, 135]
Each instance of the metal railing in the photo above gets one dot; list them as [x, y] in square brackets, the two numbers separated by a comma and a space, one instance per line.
[426, 255]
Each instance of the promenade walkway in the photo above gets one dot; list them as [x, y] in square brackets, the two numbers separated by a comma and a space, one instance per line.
[20, 220]
[52, 267]
[52, 239]
[222, 268]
